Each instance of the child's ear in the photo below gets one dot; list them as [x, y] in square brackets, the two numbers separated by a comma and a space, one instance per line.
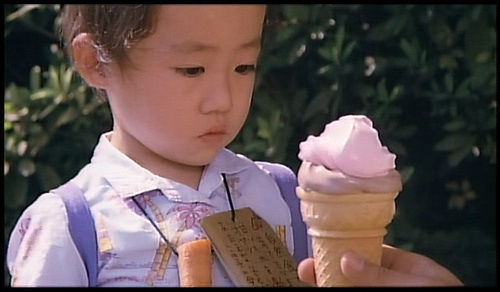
[86, 60]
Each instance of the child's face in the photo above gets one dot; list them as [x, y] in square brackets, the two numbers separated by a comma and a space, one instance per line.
[188, 90]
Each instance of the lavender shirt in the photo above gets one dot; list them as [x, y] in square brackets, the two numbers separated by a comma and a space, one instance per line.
[131, 252]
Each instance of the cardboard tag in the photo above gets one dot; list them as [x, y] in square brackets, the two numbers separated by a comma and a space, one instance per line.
[250, 251]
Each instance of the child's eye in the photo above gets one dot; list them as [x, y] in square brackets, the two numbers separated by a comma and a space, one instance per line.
[245, 69]
[190, 71]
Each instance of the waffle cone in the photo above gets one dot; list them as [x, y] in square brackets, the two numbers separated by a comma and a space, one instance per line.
[345, 222]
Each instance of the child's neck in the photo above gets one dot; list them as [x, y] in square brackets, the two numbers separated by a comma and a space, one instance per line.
[185, 174]
[188, 175]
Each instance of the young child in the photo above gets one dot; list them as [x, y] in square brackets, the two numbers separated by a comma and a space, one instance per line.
[179, 81]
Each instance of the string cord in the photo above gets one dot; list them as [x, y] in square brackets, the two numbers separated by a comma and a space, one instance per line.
[170, 246]
[228, 192]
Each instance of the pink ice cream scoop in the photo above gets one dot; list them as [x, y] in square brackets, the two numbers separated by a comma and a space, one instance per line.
[348, 157]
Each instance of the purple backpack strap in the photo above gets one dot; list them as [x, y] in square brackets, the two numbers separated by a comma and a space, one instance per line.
[287, 182]
[81, 227]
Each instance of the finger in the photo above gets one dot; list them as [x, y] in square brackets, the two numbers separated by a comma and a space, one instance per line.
[397, 259]
[364, 273]
[407, 262]
[306, 271]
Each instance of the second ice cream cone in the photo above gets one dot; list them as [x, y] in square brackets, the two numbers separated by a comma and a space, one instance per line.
[338, 223]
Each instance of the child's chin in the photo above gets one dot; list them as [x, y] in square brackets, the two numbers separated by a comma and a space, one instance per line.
[201, 159]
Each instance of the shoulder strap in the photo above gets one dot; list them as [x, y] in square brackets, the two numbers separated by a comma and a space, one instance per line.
[81, 227]
[287, 182]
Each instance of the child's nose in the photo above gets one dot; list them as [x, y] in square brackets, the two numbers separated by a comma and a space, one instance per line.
[218, 96]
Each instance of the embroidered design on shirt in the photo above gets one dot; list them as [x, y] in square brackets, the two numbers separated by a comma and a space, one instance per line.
[163, 253]
[191, 213]
[103, 237]
[24, 225]
[184, 215]
[120, 279]
[157, 271]
[188, 215]
[142, 199]
[31, 240]
[232, 182]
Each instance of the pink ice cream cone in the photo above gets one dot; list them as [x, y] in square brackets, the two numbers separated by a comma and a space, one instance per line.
[347, 185]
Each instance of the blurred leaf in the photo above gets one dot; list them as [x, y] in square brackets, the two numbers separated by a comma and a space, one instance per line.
[326, 52]
[346, 53]
[410, 51]
[26, 167]
[339, 40]
[275, 120]
[47, 177]
[264, 128]
[390, 26]
[447, 62]
[22, 147]
[21, 12]
[18, 96]
[298, 50]
[255, 146]
[382, 93]
[66, 78]
[448, 81]
[457, 155]
[481, 76]
[318, 104]
[46, 111]
[297, 12]
[396, 92]
[463, 88]
[44, 93]
[406, 173]
[452, 142]
[408, 246]
[396, 147]
[455, 125]
[7, 125]
[35, 78]
[405, 131]
[53, 79]
[491, 122]
[478, 41]
[286, 34]
[67, 116]
[38, 139]
[16, 191]
[491, 149]
[299, 102]
[440, 32]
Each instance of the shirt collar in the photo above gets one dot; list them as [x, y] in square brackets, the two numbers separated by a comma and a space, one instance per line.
[128, 178]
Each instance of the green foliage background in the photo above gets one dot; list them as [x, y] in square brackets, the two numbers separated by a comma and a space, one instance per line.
[425, 75]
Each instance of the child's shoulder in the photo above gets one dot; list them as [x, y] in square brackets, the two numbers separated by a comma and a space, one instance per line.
[240, 161]
[47, 205]
[265, 166]
[43, 218]
[247, 162]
